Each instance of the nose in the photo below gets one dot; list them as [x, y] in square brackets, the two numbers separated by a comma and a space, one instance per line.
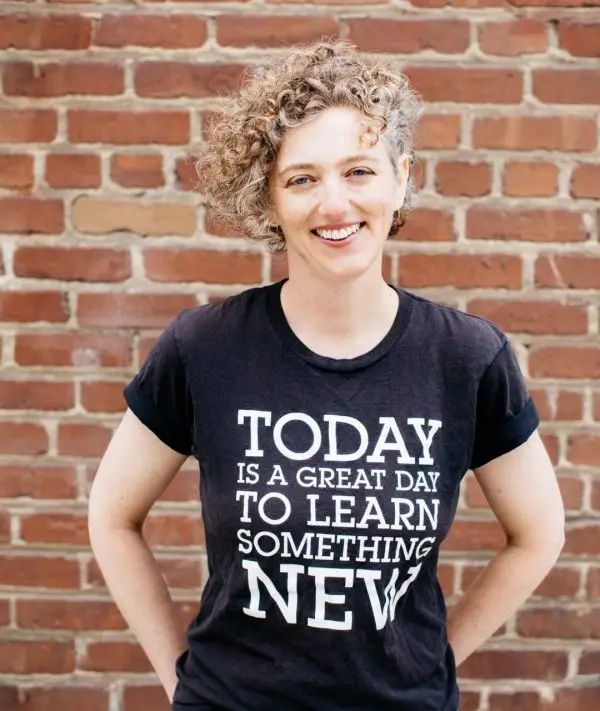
[333, 198]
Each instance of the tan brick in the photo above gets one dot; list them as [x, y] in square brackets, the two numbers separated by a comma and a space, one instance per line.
[97, 216]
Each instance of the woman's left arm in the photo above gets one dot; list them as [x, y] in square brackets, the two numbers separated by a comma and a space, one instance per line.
[522, 490]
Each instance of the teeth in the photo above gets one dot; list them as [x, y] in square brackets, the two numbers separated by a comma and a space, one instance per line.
[338, 234]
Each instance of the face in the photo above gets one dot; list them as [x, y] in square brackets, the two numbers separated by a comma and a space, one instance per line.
[334, 197]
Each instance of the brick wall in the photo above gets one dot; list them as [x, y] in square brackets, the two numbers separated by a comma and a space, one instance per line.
[102, 244]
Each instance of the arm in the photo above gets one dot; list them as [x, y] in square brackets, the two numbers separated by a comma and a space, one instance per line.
[523, 493]
[135, 470]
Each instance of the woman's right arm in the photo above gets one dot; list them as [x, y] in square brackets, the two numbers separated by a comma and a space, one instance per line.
[135, 470]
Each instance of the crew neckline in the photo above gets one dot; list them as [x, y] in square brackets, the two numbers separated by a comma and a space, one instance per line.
[290, 339]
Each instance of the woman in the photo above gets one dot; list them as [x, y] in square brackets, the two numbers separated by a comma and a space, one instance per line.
[333, 418]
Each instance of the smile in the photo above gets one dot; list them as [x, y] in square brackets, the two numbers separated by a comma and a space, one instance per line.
[339, 235]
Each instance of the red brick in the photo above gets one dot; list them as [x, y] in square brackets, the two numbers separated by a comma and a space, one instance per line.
[172, 31]
[28, 125]
[583, 699]
[582, 539]
[568, 271]
[38, 482]
[460, 178]
[73, 264]
[584, 449]
[41, 32]
[589, 662]
[79, 615]
[47, 80]
[579, 39]
[528, 133]
[73, 170]
[523, 36]
[5, 534]
[526, 225]
[25, 215]
[65, 698]
[582, 623]
[177, 572]
[75, 350]
[470, 85]
[210, 266]
[114, 657]
[585, 181]
[425, 225]
[22, 438]
[149, 698]
[128, 127]
[530, 179]
[564, 362]
[186, 176]
[18, 656]
[272, 30]
[36, 395]
[174, 530]
[39, 571]
[33, 306]
[593, 581]
[535, 317]
[463, 271]
[83, 440]
[131, 310]
[16, 171]
[595, 498]
[137, 171]
[475, 535]
[103, 396]
[175, 79]
[407, 36]
[58, 529]
[550, 442]
[513, 664]
[558, 405]
[567, 86]
[438, 131]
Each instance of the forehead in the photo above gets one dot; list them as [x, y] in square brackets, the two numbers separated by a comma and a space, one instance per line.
[328, 137]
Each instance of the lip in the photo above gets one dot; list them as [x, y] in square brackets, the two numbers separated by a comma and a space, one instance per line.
[338, 226]
[340, 244]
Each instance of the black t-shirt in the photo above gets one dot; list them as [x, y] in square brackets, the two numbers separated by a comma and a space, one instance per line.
[327, 486]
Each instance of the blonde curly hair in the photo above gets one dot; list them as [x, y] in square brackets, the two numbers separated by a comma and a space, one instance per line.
[241, 148]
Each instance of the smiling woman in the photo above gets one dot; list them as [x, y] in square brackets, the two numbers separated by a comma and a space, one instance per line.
[333, 417]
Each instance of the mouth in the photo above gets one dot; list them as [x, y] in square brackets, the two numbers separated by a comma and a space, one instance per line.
[339, 235]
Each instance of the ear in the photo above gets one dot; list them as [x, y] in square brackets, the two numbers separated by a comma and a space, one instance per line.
[402, 175]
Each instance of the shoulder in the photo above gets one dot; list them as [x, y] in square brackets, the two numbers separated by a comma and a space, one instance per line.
[455, 333]
[209, 323]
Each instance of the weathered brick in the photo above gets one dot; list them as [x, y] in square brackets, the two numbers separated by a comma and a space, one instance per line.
[73, 170]
[463, 271]
[199, 81]
[272, 31]
[41, 32]
[73, 264]
[467, 84]
[28, 215]
[530, 179]
[523, 36]
[54, 79]
[407, 36]
[174, 31]
[567, 86]
[526, 225]
[456, 178]
[128, 127]
[528, 133]
[131, 310]
[568, 271]
[16, 171]
[211, 266]
[28, 125]
[100, 216]
[137, 171]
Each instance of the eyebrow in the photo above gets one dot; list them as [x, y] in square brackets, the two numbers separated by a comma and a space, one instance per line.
[308, 166]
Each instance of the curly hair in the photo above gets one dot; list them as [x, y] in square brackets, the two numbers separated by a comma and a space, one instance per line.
[241, 148]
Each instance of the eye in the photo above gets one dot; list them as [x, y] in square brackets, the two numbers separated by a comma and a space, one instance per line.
[360, 172]
[298, 181]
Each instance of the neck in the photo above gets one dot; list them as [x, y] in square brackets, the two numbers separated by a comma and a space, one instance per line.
[343, 318]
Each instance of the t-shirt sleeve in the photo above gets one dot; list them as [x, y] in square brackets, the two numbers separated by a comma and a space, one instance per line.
[506, 414]
[159, 395]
